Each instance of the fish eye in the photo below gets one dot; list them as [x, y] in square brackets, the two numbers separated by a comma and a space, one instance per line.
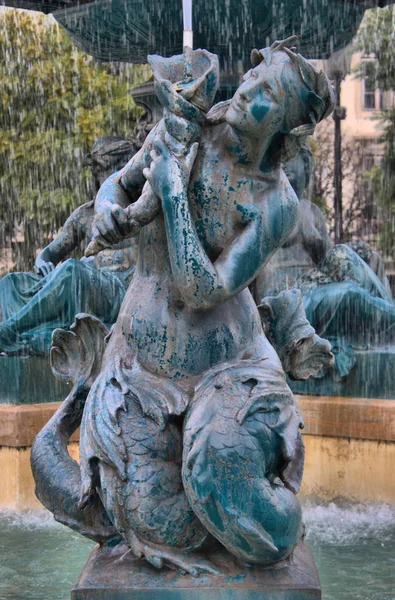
[247, 75]
[250, 74]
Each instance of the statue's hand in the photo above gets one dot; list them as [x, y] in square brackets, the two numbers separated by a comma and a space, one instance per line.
[43, 267]
[309, 357]
[168, 173]
[110, 226]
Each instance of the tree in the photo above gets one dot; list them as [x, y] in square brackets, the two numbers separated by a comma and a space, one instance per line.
[54, 102]
[359, 214]
[376, 36]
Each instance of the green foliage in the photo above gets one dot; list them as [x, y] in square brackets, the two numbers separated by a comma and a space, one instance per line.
[55, 102]
[383, 180]
[377, 37]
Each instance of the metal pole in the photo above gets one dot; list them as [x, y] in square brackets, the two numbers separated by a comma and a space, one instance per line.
[187, 39]
[187, 17]
[337, 116]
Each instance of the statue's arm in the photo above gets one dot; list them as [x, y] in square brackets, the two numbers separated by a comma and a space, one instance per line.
[321, 244]
[302, 352]
[202, 283]
[123, 205]
[74, 231]
[123, 187]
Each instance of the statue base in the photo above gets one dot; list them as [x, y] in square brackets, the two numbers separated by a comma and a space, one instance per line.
[107, 577]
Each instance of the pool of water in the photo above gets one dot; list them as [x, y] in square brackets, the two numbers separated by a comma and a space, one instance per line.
[354, 549]
[353, 544]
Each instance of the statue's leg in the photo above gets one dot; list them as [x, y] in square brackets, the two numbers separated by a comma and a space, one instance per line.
[16, 290]
[67, 292]
[343, 264]
[346, 311]
[240, 438]
[135, 464]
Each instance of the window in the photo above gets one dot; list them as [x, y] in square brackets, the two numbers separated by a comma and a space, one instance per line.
[368, 162]
[369, 86]
[387, 100]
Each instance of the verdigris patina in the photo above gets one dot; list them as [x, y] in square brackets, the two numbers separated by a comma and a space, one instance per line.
[189, 432]
[33, 305]
[309, 242]
[346, 297]
[349, 305]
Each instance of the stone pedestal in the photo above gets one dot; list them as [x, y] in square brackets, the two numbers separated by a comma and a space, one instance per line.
[106, 577]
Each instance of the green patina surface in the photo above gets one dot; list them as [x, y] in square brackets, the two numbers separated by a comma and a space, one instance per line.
[189, 432]
[344, 299]
[29, 380]
[371, 376]
[33, 305]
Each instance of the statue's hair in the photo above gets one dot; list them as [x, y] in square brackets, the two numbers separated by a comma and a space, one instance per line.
[110, 150]
[320, 98]
[307, 156]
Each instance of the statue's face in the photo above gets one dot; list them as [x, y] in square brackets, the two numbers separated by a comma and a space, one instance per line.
[258, 106]
[101, 173]
[97, 172]
[296, 173]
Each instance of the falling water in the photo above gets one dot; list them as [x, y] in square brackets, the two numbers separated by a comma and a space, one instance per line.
[56, 100]
[55, 103]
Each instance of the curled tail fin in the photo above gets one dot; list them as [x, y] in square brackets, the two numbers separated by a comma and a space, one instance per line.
[77, 355]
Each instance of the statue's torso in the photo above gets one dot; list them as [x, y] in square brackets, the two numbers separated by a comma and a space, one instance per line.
[305, 247]
[172, 339]
[154, 322]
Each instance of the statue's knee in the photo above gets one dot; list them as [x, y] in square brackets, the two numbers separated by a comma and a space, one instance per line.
[70, 264]
[344, 249]
[344, 255]
[70, 268]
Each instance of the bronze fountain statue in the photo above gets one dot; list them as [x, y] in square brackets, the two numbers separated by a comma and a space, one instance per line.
[32, 305]
[346, 296]
[190, 435]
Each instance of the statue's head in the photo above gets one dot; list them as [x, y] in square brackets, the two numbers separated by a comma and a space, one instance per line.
[108, 155]
[282, 94]
[298, 170]
[363, 249]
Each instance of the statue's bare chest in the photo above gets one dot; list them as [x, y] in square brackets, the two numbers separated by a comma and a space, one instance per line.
[222, 203]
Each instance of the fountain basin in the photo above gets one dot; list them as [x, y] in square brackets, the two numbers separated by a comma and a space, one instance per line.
[19, 425]
[350, 442]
